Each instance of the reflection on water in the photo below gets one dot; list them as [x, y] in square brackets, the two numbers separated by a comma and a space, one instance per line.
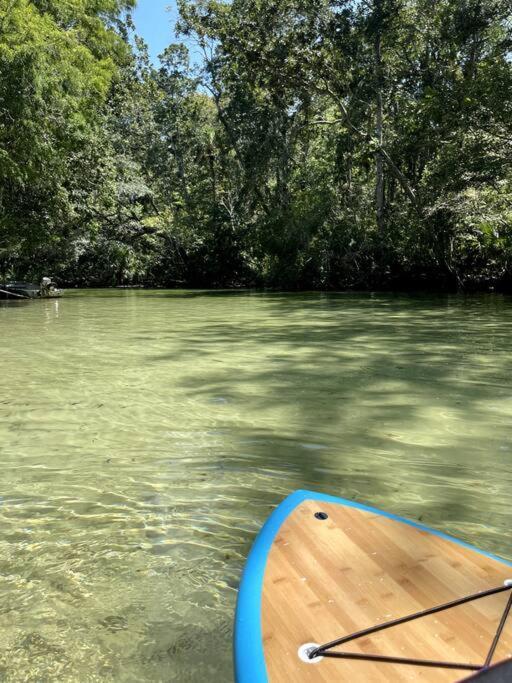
[145, 436]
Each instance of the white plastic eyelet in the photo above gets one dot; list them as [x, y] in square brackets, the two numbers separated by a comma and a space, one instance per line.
[304, 651]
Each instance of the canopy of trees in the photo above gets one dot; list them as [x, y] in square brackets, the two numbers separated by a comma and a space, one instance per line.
[309, 144]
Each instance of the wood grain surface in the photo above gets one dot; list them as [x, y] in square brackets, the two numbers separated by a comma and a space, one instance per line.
[328, 578]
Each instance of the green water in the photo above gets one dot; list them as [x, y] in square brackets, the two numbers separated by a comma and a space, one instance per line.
[145, 436]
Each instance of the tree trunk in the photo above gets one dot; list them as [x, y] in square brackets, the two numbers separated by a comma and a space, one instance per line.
[379, 130]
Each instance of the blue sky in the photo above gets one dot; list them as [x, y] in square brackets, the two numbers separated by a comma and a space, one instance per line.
[155, 20]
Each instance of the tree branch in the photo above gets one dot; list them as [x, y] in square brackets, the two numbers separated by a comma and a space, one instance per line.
[378, 150]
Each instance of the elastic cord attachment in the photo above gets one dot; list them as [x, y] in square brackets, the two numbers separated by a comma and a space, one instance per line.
[326, 649]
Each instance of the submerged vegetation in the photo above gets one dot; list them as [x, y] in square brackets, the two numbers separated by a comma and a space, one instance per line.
[307, 144]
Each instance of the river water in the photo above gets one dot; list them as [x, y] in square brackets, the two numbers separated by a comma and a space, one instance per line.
[146, 435]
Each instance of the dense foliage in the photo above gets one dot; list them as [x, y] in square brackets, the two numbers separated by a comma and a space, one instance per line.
[311, 144]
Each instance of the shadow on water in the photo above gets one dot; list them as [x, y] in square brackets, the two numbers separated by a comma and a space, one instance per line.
[136, 479]
[110, 293]
[13, 303]
[381, 395]
[141, 293]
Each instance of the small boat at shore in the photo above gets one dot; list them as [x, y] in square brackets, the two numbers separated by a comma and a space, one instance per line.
[334, 590]
[26, 290]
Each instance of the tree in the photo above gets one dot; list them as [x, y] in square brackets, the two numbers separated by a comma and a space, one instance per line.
[315, 143]
[57, 61]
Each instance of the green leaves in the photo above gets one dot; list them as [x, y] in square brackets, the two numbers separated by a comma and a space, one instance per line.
[319, 143]
[57, 61]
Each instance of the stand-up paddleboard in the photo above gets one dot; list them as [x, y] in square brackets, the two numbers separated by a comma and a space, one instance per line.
[337, 591]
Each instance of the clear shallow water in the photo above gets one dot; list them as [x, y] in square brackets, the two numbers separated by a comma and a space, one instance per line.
[145, 436]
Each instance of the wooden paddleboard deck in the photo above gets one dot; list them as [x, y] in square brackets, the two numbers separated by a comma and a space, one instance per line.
[313, 578]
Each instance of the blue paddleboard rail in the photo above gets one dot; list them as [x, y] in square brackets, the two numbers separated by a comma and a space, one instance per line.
[249, 657]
